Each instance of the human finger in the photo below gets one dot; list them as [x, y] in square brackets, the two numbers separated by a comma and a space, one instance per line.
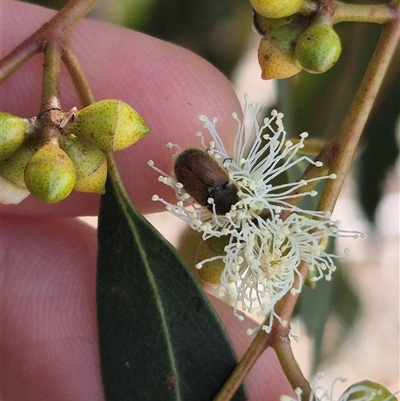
[49, 341]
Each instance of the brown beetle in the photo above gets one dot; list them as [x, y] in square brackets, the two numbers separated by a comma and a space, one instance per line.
[203, 178]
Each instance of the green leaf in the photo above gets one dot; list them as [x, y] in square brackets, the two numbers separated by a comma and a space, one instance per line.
[381, 144]
[214, 30]
[329, 298]
[159, 337]
[315, 307]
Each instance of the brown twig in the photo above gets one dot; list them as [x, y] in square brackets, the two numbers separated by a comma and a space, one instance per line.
[78, 76]
[375, 13]
[51, 76]
[58, 29]
[261, 342]
[294, 374]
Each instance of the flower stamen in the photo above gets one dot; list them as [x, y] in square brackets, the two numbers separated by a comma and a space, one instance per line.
[265, 249]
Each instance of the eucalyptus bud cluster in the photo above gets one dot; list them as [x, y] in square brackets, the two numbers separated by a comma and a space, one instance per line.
[293, 40]
[50, 160]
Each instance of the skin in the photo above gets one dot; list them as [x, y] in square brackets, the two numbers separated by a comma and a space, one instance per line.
[48, 257]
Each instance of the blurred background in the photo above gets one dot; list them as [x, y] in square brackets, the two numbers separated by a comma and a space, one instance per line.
[350, 326]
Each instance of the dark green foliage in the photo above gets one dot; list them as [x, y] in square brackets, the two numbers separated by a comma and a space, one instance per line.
[381, 148]
[216, 30]
[336, 298]
[159, 337]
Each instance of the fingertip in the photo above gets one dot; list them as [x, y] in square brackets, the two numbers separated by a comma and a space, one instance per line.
[49, 310]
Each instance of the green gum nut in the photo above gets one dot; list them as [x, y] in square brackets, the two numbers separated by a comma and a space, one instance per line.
[90, 163]
[368, 390]
[50, 174]
[12, 133]
[211, 272]
[276, 52]
[13, 167]
[265, 25]
[12, 183]
[318, 48]
[111, 124]
[277, 8]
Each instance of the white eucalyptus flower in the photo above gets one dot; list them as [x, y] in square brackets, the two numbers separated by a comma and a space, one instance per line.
[264, 249]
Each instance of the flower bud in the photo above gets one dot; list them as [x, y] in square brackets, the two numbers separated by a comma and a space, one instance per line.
[12, 133]
[276, 52]
[265, 25]
[211, 271]
[50, 174]
[318, 48]
[12, 183]
[277, 8]
[90, 163]
[13, 167]
[370, 391]
[111, 125]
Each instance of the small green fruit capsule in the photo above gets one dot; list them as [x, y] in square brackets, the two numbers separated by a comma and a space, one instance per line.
[276, 52]
[318, 48]
[210, 272]
[203, 178]
[12, 184]
[90, 163]
[111, 125]
[13, 167]
[50, 174]
[277, 8]
[265, 25]
[367, 390]
[12, 133]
